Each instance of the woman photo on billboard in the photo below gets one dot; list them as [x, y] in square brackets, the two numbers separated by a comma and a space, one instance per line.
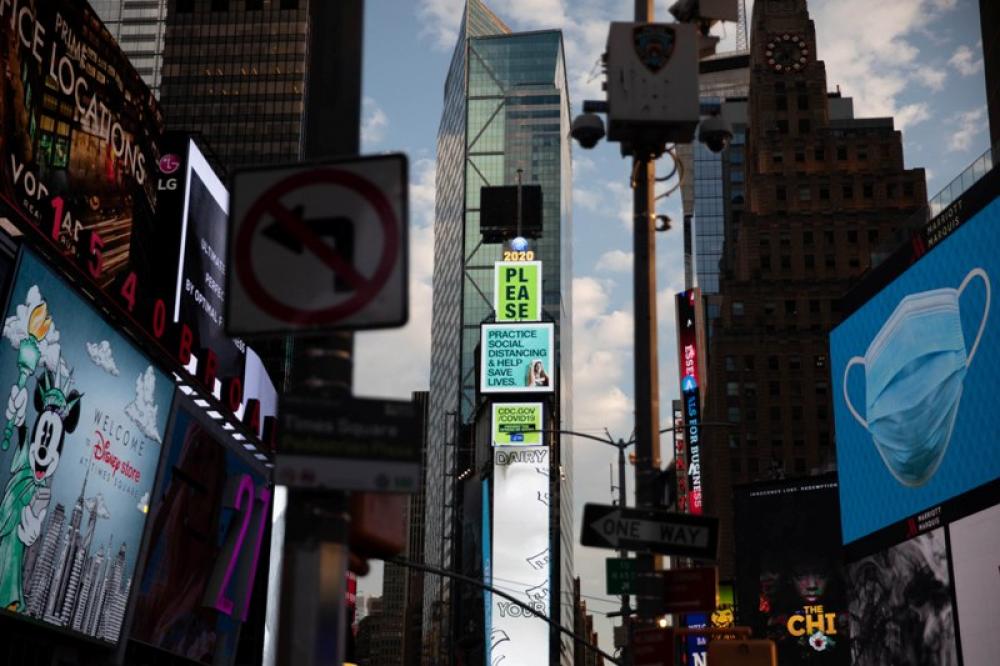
[536, 374]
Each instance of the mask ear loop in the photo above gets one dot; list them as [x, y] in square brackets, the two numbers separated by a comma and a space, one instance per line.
[857, 360]
[977, 272]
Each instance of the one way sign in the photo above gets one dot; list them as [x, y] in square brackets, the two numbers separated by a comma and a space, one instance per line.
[649, 530]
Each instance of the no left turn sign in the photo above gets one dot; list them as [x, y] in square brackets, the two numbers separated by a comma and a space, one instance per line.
[317, 247]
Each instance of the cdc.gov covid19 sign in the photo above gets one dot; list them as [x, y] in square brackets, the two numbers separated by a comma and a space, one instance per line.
[517, 358]
[916, 372]
[83, 423]
[517, 424]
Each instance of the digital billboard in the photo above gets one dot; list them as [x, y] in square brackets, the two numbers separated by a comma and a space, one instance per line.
[690, 348]
[790, 584]
[517, 287]
[83, 426]
[207, 525]
[517, 358]
[81, 134]
[517, 424]
[915, 383]
[975, 545]
[521, 557]
[901, 607]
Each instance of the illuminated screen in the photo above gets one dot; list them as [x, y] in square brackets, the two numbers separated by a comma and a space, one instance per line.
[915, 383]
[901, 610]
[975, 556]
[520, 563]
[193, 529]
[789, 575]
[77, 460]
[517, 358]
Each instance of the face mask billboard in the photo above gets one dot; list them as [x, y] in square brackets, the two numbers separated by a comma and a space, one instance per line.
[513, 421]
[517, 358]
[84, 421]
[194, 592]
[914, 387]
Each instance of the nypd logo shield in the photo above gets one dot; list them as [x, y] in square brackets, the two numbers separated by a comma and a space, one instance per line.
[654, 44]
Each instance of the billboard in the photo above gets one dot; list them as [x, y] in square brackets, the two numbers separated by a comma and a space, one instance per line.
[520, 562]
[723, 617]
[690, 348]
[512, 420]
[83, 427]
[207, 525]
[915, 384]
[517, 290]
[517, 358]
[81, 134]
[790, 584]
[901, 607]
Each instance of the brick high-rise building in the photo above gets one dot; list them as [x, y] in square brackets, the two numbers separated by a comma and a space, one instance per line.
[822, 189]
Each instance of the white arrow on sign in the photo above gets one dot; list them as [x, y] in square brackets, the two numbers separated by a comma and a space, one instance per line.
[614, 528]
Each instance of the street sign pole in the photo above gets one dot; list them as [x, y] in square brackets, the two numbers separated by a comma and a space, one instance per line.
[314, 572]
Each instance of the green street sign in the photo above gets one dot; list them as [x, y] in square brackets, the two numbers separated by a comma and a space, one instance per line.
[511, 420]
[517, 292]
[621, 576]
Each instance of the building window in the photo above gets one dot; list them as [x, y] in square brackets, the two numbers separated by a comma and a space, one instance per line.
[781, 103]
[737, 308]
[852, 235]
[765, 263]
[748, 363]
[821, 360]
[800, 465]
[796, 412]
[810, 261]
[868, 190]
[824, 193]
[829, 262]
[774, 389]
[289, 4]
[890, 190]
[779, 193]
[821, 412]
[848, 192]
[807, 237]
[862, 152]
[790, 308]
[736, 466]
[873, 236]
[814, 306]
[750, 389]
[753, 466]
[819, 154]
[783, 126]
[733, 414]
[777, 157]
[786, 262]
[804, 193]
[800, 155]
[734, 440]
[821, 388]
[804, 126]
[775, 415]
[803, 102]
[854, 262]
[772, 362]
[795, 362]
[254, 4]
[185, 6]
[908, 189]
[220, 5]
[841, 152]
[733, 389]
[731, 363]
[769, 309]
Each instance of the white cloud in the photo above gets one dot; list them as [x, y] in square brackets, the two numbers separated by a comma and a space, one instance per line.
[968, 126]
[930, 77]
[586, 198]
[396, 362]
[439, 21]
[875, 60]
[965, 62]
[374, 122]
[143, 409]
[100, 353]
[615, 261]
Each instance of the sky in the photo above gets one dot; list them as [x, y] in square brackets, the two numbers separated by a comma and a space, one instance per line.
[919, 61]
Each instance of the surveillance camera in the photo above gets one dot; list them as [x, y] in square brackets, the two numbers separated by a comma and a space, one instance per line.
[715, 133]
[588, 129]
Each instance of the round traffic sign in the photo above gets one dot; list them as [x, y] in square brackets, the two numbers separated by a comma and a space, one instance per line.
[269, 205]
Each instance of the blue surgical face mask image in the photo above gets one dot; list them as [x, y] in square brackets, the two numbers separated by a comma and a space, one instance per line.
[914, 370]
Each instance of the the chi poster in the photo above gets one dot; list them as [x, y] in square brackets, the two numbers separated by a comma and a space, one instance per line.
[83, 423]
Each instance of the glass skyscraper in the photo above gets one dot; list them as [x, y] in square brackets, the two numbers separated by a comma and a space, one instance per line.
[139, 26]
[506, 109]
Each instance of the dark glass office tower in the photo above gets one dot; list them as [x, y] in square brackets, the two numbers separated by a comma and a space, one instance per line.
[139, 27]
[506, 109]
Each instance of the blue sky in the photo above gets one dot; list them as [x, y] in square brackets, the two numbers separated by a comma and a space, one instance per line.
[919, 61]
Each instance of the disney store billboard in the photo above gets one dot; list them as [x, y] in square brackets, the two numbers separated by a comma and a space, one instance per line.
[84, 420]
